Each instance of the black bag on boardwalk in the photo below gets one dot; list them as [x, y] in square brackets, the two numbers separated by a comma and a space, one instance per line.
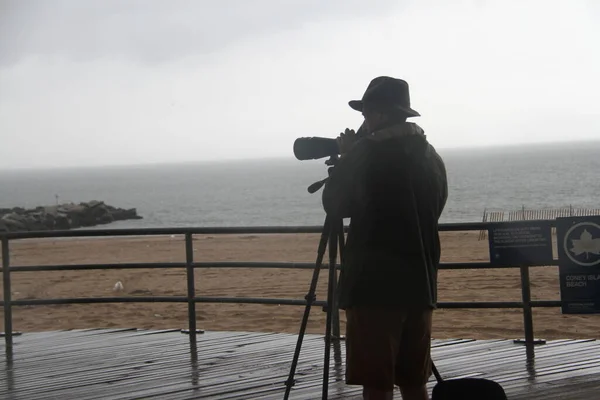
[466, 389]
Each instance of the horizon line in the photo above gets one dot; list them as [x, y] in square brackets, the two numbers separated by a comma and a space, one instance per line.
[290, 157]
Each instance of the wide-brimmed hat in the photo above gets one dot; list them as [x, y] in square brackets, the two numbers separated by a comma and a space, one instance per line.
[386, 92]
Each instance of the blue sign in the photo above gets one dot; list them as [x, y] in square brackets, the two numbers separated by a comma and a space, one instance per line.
[578, 240]
[520, 243]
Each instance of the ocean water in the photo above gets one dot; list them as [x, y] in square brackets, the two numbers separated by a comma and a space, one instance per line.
[274, 192]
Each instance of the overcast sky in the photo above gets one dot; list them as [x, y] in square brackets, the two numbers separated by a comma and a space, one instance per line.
[127, 82]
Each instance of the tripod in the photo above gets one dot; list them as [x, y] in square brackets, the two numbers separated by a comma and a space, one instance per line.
[333, 232]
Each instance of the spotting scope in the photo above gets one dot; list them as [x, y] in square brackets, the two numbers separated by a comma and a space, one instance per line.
[314, 148]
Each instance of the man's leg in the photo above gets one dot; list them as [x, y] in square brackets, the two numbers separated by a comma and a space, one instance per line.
[416, 393]
[413, 367]
[372, 343]
[376, 394]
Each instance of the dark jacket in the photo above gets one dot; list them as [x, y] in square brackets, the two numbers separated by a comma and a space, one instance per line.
[393, 186]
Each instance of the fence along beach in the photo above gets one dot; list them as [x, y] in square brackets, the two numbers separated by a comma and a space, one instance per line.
[534, 214]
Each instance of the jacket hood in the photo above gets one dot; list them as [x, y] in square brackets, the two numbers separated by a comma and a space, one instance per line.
[403, 129]
[409, 135]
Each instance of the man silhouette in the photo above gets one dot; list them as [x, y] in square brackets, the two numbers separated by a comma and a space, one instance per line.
[393, 185]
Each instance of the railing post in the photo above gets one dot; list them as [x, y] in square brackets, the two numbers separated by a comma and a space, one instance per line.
[527, 310]
[191, 288]
[526, 298]
[8, 329]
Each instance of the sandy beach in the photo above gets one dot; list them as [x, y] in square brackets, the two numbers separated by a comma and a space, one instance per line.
[456, 285]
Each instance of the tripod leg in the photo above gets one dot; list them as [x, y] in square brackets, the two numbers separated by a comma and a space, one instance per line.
[337, 335]
[335, 310]
[331, 284]
[310, 298]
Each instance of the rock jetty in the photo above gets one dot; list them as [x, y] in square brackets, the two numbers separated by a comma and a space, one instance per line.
[62, 216]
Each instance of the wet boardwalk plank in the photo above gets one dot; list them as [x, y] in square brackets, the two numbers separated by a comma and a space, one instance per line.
[139, 364]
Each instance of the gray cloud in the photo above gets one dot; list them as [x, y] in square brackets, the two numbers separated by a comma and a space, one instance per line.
[156, 31]
[247, 78]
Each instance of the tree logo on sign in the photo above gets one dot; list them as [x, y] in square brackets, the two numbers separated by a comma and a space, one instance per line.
[582, 244]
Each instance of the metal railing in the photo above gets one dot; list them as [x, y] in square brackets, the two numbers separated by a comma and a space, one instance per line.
[190, 265]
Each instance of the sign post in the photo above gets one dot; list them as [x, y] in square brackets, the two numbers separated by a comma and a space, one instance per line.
[578, 240]
[523, 244]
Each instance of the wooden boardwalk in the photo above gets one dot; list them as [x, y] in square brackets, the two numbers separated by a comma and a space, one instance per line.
[139, 364]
